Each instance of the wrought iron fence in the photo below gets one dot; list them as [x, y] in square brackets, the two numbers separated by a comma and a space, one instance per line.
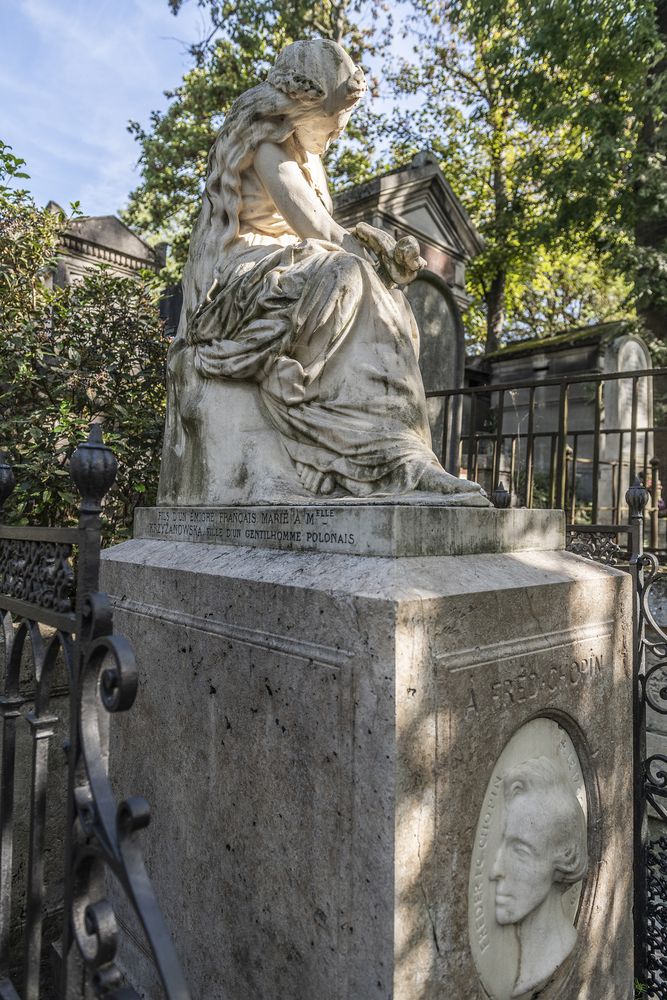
[560, 441]
[656, 908]
[54, 616]
[618, 544]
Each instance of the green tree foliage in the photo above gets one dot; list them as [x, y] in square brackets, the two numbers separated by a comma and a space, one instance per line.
[28, 237]
[567, 289]
[242, 43]
[68, 356]
[649, 204]
[598, 69]
[548, 117]
[530, 105]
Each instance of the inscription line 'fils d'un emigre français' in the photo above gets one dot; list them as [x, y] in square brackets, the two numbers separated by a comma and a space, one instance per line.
[289, 527]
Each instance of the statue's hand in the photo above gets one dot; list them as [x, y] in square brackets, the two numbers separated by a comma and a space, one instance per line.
[400, 261]
[407, 259]
[381, 243]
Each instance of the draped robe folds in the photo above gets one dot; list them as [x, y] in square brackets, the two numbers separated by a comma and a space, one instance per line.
[333, 352]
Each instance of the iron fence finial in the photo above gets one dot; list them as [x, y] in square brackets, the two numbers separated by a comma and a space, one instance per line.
[93, 468]
[500, 498]
[637, 498]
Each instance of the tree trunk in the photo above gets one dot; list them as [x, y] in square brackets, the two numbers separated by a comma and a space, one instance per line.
[495, 296]
[338, 22]
[651, 222]
[495, 311]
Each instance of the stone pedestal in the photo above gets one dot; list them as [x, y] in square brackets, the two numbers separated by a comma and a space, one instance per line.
[330, 745]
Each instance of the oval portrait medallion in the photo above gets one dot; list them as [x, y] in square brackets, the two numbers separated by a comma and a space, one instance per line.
[529, 859]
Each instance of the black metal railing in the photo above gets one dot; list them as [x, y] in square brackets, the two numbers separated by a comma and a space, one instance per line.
[60, 940]
[623, 545]
[525, 432]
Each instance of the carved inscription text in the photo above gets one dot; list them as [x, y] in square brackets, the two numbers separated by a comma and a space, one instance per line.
[534, 682]
[289, 528]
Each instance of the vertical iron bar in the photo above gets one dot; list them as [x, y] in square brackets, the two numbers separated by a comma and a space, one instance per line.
[633, 429]
[498, 444]
[655, 501]
[552, 471]
[530, 448]
[595, 514]
[614, 498]
[573, 498]
[561, 471]
[10, 710]
[41, 729]
[640, 818]
[94, 467]
[513, 465]
[444, 450]
[619, 479]
[472, 427]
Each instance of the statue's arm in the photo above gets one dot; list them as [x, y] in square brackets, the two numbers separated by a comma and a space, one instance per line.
[295, 199]
[308, 217]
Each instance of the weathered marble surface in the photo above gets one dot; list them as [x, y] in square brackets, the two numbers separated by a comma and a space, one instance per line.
[530, 857]
[294, 372]
[380, 529]
[317, 733]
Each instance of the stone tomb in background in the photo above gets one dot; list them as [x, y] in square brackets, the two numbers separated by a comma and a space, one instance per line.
[376, 772]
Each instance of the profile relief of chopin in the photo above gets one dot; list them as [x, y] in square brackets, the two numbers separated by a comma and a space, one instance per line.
[542, 853]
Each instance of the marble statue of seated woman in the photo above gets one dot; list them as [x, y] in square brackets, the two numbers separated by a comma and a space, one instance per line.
[294, 374]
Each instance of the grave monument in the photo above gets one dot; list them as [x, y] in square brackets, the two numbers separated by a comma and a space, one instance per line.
[385, 728]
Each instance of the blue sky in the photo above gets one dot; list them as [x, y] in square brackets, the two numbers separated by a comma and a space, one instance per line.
[72, 73]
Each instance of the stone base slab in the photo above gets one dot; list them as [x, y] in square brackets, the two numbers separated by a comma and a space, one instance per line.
[318, 737]
[378, 529]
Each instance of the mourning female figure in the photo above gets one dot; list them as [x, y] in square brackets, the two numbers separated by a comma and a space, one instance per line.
[294, 371]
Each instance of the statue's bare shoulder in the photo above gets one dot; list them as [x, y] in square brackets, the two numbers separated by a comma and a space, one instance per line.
[270, 155]
[295, 199]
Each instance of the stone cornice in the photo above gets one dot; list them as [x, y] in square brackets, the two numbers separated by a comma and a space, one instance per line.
[87, 248]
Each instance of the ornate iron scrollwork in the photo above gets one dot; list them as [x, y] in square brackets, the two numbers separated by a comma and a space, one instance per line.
[654, 688]
[655, 778]
[650, 664]
[596, 545]
[38, 584]
[105, 835]
[655, 642]
[656, 972]
[38, 572]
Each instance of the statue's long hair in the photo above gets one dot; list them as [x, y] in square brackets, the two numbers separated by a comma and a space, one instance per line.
[307, 77]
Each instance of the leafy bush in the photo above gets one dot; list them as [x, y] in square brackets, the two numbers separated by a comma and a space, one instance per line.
[90, 351]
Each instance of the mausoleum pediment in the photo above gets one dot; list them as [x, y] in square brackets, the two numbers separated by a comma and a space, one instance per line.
[109, 231]
[418, 200]
[93, 240]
